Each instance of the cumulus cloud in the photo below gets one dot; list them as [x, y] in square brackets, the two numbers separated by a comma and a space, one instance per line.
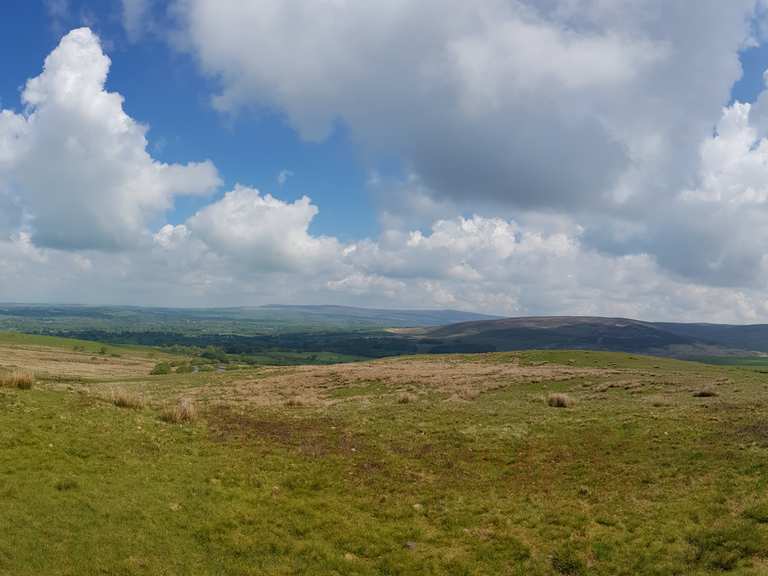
[595, 181]
[598, 112]
[536, 104]
[263, 232]
[79, 164]
[717, 231]
[486, 264]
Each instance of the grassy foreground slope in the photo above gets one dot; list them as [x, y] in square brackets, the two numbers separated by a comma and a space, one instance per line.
[421, 465]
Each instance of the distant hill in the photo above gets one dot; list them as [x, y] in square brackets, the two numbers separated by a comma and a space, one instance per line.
[235, 320]
[747, 337]
[370, 316]
[374, 333]
[597, 333]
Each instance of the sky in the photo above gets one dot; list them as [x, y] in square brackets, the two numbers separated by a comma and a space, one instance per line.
[514, 157]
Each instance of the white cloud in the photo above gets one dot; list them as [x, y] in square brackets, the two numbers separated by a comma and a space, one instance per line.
[596, 183]
[58, 13]
[593, 110]
[734, 162]
[282, 177]
[263, 232]
[134, 17]
[577, 104]
[78, 163]
[482, 264]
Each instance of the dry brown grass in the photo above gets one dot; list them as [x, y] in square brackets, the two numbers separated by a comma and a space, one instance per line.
[559, 400]
[315, 386]
[295, 402]
[69, 363]
[470, 394]
[184, 411]
[126, 399]
[17, 379]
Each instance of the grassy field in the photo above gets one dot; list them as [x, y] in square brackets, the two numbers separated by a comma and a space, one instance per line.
[747, 361]
[421, 465]
[20, 339]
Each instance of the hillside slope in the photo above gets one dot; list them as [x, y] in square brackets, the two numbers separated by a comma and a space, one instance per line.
[597, 333]
[748, 337]
[423, 465]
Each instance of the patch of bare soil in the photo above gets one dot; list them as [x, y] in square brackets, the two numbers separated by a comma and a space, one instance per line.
[310, 436]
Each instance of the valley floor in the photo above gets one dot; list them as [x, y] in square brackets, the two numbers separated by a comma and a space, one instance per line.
[421, 465]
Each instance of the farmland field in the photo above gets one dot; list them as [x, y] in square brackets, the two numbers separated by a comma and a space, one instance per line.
[413, 465]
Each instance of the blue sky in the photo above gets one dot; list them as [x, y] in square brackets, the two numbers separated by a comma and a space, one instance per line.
[516, 157]
[164, 89]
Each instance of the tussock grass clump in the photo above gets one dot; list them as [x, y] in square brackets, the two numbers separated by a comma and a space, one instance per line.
[183, 411]
[17, 379]
[757, 513]
[127, 399]
[66, 485]
[559, 400]
[567, 562]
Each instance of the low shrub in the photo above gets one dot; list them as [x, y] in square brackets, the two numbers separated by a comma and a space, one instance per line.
[161, 368]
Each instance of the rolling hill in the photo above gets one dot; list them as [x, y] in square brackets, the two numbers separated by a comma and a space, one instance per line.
[523, 463]
[374, 333]
[597, 333]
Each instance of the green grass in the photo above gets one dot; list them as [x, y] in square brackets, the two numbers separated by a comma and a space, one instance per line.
[21, 339]
[503, 484]
[746, 361]
[270, 358]
[590, 359]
